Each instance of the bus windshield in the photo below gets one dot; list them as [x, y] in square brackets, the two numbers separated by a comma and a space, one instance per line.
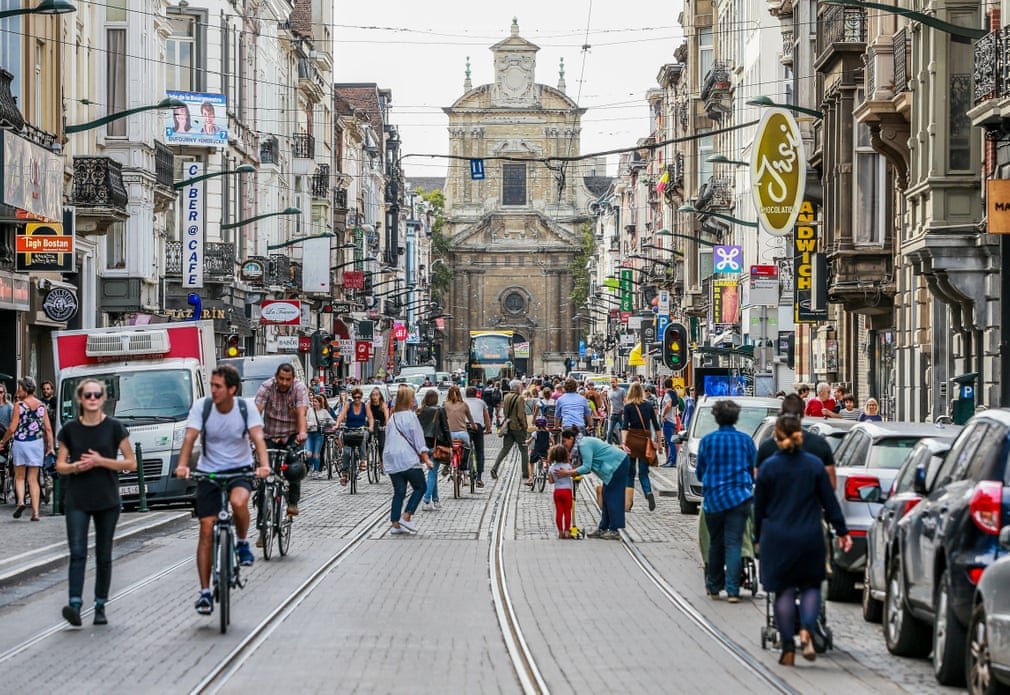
[164, 395]
[490, 356]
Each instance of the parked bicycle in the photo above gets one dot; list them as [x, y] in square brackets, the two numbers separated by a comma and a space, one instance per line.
[225, 574]
[272, 520]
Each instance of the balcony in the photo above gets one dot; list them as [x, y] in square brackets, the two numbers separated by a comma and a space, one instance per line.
[717, 91]
[164, 172]
[991, 77]
[98, 194]
[278, 272]
[310, 82]
[841, 31]
[303, 149]
[270, 151]
[788, 46]
[340, 199]
[715, 195]
[901, 45]
[321, 182]
[218, 261]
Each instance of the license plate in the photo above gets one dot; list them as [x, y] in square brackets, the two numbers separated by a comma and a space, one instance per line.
[130, 489]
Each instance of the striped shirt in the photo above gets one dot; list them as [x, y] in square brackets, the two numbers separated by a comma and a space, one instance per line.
[725, 468]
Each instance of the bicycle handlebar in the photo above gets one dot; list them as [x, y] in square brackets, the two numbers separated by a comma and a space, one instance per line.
[222, 477]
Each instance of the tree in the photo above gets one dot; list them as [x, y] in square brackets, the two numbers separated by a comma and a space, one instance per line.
[581, 278]
[440, 274]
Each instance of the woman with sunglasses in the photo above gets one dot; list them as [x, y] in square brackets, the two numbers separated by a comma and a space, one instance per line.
[355, 415]
[90, 468]
[33, 439]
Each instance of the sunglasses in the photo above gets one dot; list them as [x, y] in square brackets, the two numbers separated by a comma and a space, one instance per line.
[357, 398]
[92, 395]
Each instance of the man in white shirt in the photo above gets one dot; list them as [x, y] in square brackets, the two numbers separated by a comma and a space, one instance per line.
[227, 428]
[482, 419]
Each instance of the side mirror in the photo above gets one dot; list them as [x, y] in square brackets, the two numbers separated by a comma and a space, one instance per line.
[1004, 538]
[869, 493]
[919, 481]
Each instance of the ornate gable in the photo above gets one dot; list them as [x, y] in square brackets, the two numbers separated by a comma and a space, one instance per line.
[513, 233]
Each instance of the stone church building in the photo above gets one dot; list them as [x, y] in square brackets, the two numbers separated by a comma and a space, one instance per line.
[515, 233]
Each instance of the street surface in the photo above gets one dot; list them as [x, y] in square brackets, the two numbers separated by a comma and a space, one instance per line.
[451, 609]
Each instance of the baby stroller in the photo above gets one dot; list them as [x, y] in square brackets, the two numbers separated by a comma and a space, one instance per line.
[748, 565]
[822, 636]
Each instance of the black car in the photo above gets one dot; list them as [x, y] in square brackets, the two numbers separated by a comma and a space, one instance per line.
[988, 648]
[922, 464]
[945, 543]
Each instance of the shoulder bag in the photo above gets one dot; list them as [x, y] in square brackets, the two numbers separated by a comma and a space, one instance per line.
[406, 439]
[639, 442]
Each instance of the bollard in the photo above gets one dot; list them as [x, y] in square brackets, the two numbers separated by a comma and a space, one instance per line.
[140, 478]
[54, 507]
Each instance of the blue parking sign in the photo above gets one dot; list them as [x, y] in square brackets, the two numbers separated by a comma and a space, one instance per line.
[661, 322]
[582, 348]
[477, 169]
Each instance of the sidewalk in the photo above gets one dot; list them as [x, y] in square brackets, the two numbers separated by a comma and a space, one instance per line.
[27, 547]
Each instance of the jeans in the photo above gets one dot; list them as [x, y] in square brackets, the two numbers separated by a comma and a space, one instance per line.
[414, 476]
[77, 538]
[313, 445]
[431, 489]
[512, 438]
[612, 514]
[477, 438]
[614, 429]
[643, 475]
[671, 448]
[725, 531]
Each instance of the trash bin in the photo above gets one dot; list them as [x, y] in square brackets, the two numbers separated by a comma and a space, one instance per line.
[963, 407]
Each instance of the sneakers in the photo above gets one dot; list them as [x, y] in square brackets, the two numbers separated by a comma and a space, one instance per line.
[398, 531]
[72, 614]
[409, 525]
[733, 599]
[292, 510]
[426, 507]
[480, 483]
[205, 604]
[611, 536]
[652, 501]
[245, 555]
[598, 533]
[494, 472]
[437, 505]
[100, 618]
[714, 595]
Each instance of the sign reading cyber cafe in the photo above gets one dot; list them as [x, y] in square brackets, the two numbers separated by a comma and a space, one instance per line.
[778, 171]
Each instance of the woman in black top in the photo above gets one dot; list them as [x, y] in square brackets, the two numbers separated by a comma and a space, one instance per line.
[380, 413]
[639, 415]
[436, 431]
[88, 466]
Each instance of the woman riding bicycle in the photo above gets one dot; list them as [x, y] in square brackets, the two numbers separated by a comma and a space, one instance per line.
[354, 416]
[457, 412]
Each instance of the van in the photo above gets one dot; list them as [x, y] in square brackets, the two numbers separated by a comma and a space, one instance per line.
[417, 375]
[257, 369]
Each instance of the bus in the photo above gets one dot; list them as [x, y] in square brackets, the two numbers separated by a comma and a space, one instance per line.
[490, 356]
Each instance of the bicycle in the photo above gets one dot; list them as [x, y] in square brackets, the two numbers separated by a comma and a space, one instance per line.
[374, 457]
[225, 573]
[331, 452]
[456, 469]
[540, 476]
[352, 439]
[272, 519]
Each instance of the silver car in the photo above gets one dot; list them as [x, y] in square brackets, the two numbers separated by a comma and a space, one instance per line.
[753, 411]
[866, 464]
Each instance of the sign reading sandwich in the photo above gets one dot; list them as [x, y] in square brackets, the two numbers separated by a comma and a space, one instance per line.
[778, 171]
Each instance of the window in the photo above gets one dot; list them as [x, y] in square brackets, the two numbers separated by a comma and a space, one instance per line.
[180, 54]
[870, 195]
[115, 76]
[10, 48]
[115, 246]
[513, 184]
[705, 147]
[705, 52]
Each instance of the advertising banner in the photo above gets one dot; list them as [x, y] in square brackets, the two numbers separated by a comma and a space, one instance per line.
[805, 255]
[778, 171]
[281, 312]
[354, 280]
[727, 259]
[202, 121]
[32, 177]
[725, 302]
[362, 350]
[44, 246]
[316, 266]
[521, 350]
[627, 293]
[192, 228]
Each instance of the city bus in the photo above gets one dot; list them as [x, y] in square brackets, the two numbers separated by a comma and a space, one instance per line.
[490, 356]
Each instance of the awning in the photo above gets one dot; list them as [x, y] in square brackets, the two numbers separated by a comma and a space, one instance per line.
[635, 359]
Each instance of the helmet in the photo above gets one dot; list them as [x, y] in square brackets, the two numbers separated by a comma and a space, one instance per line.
[295, 469]
[540, 422]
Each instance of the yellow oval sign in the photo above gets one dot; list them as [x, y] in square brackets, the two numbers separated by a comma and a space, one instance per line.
[778, 171]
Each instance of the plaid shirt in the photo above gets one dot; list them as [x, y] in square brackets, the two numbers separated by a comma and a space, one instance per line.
[726, 468]
[280, 410]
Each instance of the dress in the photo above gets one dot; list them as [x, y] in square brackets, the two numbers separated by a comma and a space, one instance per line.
[791, 491]
[29, 438]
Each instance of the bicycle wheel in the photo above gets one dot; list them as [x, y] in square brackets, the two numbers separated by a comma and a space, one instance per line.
[265, 520]
[373, 455]
[541, 479]
[330, 457]
[226, 555]
[283, 526]
[457, 481]
[353, 474]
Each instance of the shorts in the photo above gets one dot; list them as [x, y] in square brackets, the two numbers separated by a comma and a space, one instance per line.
[208, 495]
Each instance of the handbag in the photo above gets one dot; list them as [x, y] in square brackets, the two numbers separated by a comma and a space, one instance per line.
[639, 443]
[651, 457]
[442, 453]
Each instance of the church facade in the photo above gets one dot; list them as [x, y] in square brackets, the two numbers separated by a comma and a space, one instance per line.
[515, 233]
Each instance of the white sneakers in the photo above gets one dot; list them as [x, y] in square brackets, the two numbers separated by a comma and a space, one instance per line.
[398, 531]
[409, 525]
[426, 507]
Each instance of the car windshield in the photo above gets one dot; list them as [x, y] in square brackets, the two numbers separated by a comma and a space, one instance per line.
[750, 419]
[890, 453]
[163, 395]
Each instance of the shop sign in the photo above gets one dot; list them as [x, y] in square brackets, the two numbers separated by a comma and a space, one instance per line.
[192, 228]
[627, 294]
[287, 343]
[997, 205]
[413, 339]
[778, 171]
[43, 246]
[399, 331]
[727, 259]
[32, 177]
[354, 280]
[218, 314]
[346, 347]
[725, 302]
[362, 350]
[805, 255]
[252, 271]
[60, 304]
[281, 312]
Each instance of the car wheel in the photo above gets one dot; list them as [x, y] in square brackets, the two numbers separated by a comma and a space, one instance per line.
[873, 610]
[904, 634]
[841, 584]
[977, 666]
[948, 638]
[685, 506]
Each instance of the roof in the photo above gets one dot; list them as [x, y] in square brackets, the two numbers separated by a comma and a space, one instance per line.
[598, 185]
[428, 183]
[908, 429]
[362, 96]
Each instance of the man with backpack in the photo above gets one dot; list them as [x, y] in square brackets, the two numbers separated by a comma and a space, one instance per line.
[493, 397]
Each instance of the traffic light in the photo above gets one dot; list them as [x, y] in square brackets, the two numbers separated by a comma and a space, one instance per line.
[316, 350]
[326, 352]
[232, 347]
[675, 346]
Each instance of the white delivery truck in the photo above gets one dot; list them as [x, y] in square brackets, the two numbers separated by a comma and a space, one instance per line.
[152, 375]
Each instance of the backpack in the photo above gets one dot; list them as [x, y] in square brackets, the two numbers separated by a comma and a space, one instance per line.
[208, 403]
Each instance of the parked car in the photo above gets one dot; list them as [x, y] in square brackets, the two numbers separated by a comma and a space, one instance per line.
[833, 431]
[922, 465]
[866, 464]
[256, 369]
[945, 543]
[988, 648]
[753, 411]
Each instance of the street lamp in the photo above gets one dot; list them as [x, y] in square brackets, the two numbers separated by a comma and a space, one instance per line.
[723, 159]
[957, 33]
[45, 7]
[654, 260]
[163, 104]
[241, 169]
[688, 237]
[687, 207]
[662, 248]
[242, 223]
[765, 101]
[292, 242]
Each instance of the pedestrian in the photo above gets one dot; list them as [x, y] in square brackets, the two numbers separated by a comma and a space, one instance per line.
[689, 402]
[49, 399]
[671, 408]
[481, 425]
[611, 465]
[6, 408]
[848, 411]
[822, 405]
[559, 473]
[792, 495]
[813, 443]
[725, 469]
[804, 391]
[871, 411]
[616, 397]
[640, 428]
[514, 428]
[319, 420]
[572, 409]
[230, 428]
[405, 460]
[32, 440]
[435, 431]
[89, 464]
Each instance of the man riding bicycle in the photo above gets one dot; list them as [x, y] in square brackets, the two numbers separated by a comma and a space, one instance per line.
[226, 429]
[283, 402]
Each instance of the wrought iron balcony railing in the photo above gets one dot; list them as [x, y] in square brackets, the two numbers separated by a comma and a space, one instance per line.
[164, 164]
[303, 146]
[716, 79]
[98, 183]
[218, 260]
[840, 25]
[340, 198]
[901, 45]
[321, 182]
[988, 73]
[269, 151]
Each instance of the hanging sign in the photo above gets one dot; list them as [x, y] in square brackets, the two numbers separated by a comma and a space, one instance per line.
[627, 294]
[477, 169]
[362, 350]
[44, 246]
[804, 277]
[778, 171]
[282, 312]
[192, 228]
[727, 259]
